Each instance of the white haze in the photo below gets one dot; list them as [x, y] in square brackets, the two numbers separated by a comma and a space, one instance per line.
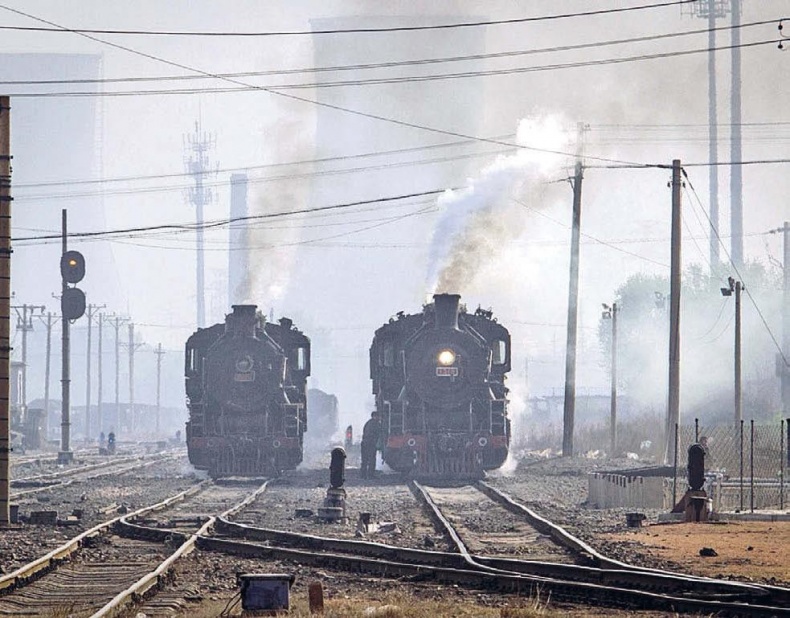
[473, 226]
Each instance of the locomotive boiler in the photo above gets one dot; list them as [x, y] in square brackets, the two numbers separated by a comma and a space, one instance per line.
[246, 394]
[439, 381]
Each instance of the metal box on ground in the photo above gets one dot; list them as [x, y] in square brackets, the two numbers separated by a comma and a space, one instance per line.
[265, 592]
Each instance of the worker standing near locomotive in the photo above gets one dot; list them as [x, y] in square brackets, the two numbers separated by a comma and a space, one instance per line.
[371, 433]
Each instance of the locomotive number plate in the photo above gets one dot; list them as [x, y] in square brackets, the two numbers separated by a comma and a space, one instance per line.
[247, 376]
[450, 372]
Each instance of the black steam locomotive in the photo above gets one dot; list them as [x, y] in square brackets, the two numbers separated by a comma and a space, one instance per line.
[439, 381]
[246, 394]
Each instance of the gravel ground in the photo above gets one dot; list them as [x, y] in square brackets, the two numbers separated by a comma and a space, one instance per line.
[205, 582]
[386, 498]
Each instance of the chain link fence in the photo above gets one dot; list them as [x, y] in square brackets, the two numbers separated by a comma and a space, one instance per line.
[745, 463]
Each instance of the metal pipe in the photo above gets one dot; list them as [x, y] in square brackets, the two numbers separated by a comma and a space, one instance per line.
[751, 468]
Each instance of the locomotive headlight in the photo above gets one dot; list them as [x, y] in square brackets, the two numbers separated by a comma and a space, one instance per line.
[446, 357]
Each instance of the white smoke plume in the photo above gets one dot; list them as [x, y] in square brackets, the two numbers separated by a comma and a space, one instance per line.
[475, 222]
[271, 244]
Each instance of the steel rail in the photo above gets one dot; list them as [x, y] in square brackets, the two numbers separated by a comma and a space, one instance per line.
[113, 472]
[144, 586]
[673, 583]
[27, 573]
[578, 592]
[609, 571]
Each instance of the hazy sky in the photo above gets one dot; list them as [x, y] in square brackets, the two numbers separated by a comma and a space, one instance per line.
[341, 273]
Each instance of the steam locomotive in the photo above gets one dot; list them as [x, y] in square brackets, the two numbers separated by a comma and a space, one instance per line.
[439, 381]
[246, 394]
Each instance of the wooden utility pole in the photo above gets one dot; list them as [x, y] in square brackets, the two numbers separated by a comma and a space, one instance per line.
[569, 408]
[5, 309]
[673, 399]
[159, 354]
[613, 404]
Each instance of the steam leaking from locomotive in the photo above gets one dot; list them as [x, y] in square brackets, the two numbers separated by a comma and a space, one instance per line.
[478, 219]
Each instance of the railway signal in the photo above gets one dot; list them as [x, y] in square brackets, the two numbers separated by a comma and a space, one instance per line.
[72, 270]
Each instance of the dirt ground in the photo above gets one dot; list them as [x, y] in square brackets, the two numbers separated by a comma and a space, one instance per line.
[746, 550]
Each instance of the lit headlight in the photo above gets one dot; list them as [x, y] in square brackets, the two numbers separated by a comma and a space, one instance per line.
[446, 357]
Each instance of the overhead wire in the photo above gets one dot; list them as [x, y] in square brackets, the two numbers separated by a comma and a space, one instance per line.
[471, 24]
[248, 168]
[387, 64]
[227, 221]
[737, 272]
[378, 81]
[593, 238]
[264, 179]
[323, 104]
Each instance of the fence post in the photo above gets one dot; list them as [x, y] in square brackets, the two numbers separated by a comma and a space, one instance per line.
[741, 481]
[696, 430]
[675, 473]
[751, 468]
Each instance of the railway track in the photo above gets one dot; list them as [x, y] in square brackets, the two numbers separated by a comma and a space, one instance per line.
[108, 467]
[577, 574]
[98, 574]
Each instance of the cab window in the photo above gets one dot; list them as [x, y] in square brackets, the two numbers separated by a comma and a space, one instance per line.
[499, 352]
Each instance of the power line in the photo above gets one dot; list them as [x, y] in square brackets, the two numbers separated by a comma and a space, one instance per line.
[248, 168]
[294, 97]
[593, 238]
[265, 179]
[224, 222]
[381, 153]
[471, 24]
[385, 65]
[737, 272]
[378, 81]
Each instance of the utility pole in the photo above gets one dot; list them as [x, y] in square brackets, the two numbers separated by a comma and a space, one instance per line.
[610, 313]
[736, 286]
[786, 323]
[569, 405]
[24, 322]
[99, 394]
[5, 309]
[132, 349]
[197, 163]
[117, 324]
[159, 354]
[47, 370]
[91, 309]
[673, 400]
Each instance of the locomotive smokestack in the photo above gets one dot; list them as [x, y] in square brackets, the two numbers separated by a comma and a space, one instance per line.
[446, 310]
[241, 323]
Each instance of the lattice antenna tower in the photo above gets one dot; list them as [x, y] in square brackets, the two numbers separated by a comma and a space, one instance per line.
[197, 147]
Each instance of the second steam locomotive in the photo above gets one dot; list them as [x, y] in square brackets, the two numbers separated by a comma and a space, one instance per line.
[246, 394]
[439, 381]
